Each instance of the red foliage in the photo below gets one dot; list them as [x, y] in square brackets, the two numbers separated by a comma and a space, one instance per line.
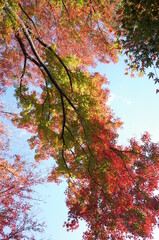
[116, 196]
[16, 182]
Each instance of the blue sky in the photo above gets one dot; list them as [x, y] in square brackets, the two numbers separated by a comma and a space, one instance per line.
[135, 101]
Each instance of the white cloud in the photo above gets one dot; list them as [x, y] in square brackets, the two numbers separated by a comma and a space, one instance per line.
[128, 102]
[111, 98]
[118, 98]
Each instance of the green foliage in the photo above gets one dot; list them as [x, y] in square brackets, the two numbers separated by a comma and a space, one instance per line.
[140, 33]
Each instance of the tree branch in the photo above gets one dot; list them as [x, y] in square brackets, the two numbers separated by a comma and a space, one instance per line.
[58, 57]
[64, 116]
[30, 20]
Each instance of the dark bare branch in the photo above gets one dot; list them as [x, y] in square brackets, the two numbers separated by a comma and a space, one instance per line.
[64, 116]
[30, 19]
[63, 3]
[58, 57]
[76, 141]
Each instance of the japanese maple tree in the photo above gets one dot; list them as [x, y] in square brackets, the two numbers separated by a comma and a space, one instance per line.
[139, 34]
[16, 182]
[47, 47]
[115, 196]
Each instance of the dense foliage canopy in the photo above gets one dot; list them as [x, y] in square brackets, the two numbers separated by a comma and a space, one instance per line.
[46, 49]
[140, 35]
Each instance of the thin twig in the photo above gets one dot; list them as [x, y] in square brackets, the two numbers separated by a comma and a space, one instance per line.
[64, 116]
[30, 20]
